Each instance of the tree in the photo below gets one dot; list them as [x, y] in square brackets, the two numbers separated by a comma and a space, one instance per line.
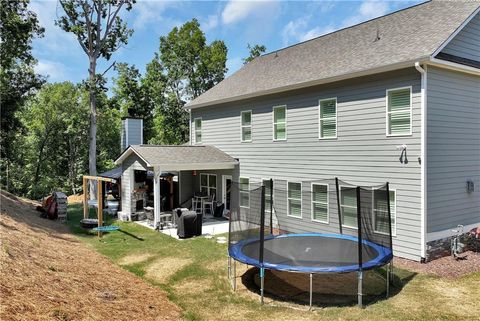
[132, 96]
[18, 27]
[254, 52]
[190, 67]
[55, 145]
[100, 32]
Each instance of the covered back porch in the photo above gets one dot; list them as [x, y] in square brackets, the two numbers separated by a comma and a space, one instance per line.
[161, 178]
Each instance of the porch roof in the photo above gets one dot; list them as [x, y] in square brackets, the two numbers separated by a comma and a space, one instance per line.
[180, 157]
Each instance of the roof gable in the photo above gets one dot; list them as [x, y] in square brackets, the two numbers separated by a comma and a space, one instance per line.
[401, 37]
[180, 157]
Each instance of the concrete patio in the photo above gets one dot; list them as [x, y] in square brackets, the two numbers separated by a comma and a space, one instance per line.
[210, 227]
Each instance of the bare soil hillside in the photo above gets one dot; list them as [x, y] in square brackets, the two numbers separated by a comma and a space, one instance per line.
[47, 274]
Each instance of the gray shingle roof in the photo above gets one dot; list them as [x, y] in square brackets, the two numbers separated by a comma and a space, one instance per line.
[411, 34]
[180, 157]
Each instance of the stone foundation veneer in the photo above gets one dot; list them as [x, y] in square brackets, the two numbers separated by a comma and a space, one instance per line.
[442, 247]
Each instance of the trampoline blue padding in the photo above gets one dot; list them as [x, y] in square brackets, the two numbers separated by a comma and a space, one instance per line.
[109, 228]
[311, 253]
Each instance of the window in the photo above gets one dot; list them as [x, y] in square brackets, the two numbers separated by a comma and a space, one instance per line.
[268, 199]
[348, 204]
[198, 130]
[399, 112]
[320, 203]
[380, 212]
[294, 199]
[280, 123]
[246, 126]
[328, 118]
[208, 184]
[244, 192]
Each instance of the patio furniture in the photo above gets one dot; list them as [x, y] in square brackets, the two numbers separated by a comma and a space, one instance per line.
[165, 219]
[219, 207]
[149, 212]
[208, 204]
[197, 204]
[189, 224]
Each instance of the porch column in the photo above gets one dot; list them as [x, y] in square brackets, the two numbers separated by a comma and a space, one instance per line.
[156, 196]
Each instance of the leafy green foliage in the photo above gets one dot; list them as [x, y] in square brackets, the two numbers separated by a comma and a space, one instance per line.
[52, 151]
[190, 67]
[18, 80]
[254, 52]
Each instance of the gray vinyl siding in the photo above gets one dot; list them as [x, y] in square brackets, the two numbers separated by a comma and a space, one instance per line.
[362, 153]
[466, 43]
[131, 163]
[453, 149]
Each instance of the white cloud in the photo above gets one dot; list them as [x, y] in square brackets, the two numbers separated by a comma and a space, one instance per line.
[236, 10]
[55, 39]
[369, 9]
[297, 31]
[146, 12]
[54, 70]
[210, 23]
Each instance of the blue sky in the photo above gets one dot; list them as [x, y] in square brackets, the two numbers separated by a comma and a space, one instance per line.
[276, 24]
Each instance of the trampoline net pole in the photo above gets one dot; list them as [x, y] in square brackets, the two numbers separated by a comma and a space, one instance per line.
[359, 225]
[311, 290]
[262, 240]
[271, 206]
[337, 188]
[360, 289]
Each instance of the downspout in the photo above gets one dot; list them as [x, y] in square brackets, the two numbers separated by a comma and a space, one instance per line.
[423, 161]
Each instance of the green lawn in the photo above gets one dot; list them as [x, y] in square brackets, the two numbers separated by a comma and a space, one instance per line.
[194, 274]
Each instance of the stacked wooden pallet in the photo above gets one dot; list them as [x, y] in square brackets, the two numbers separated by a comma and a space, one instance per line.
[62, 202]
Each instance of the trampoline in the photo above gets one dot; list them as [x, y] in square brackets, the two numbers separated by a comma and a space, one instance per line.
[311, 253]
[353, 231]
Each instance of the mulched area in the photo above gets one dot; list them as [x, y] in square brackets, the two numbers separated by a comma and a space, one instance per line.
[48, 274]
[445, 266]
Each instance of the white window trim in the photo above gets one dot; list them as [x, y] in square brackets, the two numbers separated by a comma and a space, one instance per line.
[267, 210]
[242, 191]
[195, 130]
[394, 227]
[245, 126]
[320, 119]
[208, 183]
[301, 201]
[341, 208]
[273, 123]
[387, 112]
[328, 203]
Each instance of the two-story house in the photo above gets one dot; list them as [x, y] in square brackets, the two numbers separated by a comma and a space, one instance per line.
[393, 99]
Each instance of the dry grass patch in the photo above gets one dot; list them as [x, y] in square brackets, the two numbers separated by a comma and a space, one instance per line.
[162, 269]
[47, 274]
[134, 258]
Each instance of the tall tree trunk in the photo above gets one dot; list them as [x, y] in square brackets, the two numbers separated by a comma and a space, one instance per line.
[36, 177]
[92, 149]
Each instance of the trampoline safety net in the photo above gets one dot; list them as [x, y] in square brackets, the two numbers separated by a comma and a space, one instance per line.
[333, 226]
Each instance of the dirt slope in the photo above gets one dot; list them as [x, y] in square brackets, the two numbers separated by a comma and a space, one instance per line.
[47, 274]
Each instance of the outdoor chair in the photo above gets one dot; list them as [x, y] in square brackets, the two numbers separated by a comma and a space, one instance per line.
[196, 204]
[208, 204]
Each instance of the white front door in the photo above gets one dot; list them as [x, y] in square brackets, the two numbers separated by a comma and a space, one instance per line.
[226, 186]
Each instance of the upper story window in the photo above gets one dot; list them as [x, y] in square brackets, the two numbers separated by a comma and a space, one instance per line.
[328, 118]
[280, 123]
[198, 130]
[399, 111]
[380, 212]
[246, 126]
